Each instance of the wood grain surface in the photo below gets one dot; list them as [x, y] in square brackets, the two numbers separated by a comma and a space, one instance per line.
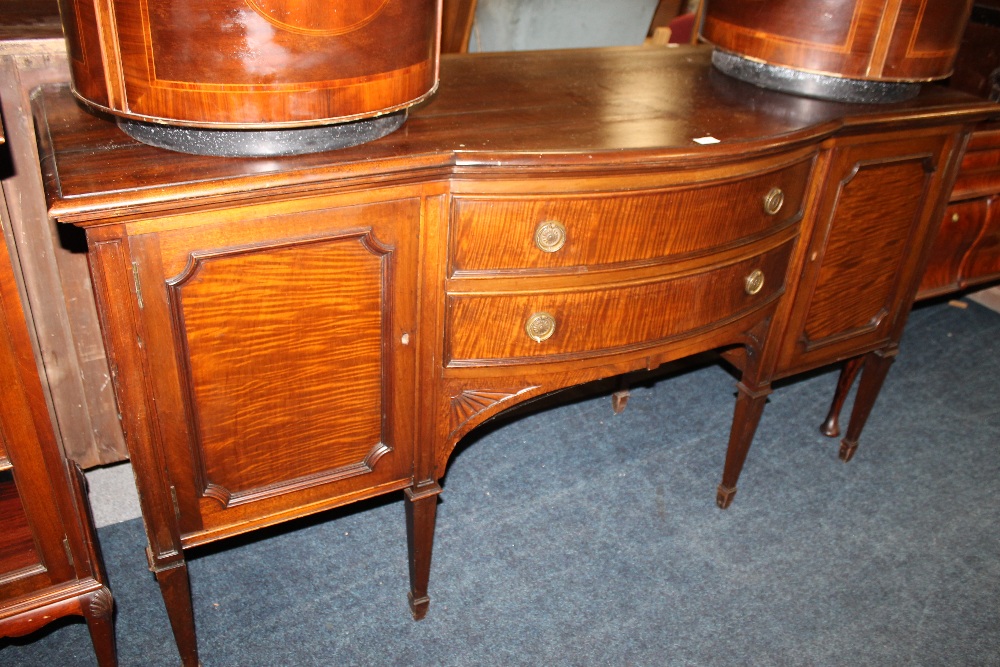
[882, 40]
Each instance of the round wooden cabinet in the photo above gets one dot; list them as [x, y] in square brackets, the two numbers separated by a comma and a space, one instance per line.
[850, 50]
[253, 77]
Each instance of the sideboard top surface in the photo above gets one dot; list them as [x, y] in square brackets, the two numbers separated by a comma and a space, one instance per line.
[618, 110]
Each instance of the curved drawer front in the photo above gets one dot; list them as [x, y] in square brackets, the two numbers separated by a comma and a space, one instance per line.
[514, 328]
[500, 234]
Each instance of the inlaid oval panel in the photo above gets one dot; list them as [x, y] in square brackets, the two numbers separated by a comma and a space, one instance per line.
[324, 18]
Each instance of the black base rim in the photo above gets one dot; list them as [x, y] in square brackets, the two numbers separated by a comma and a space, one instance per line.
[808, 84]
[262, 143]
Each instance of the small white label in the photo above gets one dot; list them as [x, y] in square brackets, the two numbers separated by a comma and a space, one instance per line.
[706, 140]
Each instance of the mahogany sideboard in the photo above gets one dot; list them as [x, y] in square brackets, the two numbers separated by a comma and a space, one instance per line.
[50, 566]
[288, 335]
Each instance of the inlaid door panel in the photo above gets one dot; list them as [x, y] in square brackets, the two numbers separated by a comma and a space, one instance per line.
[289, 356]
[865, 248]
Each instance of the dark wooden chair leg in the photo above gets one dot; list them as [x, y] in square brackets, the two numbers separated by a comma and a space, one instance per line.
[176, 590]
[876, 367]
[831, 425]
[749, 407]
[98, 609]
[421, 514]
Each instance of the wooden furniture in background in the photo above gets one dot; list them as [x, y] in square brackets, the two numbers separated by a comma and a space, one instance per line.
[659, 27]
[457, 19]
[293, 334]
[671, 25]
[966, 253]
[967, 250]
[50, 265]
[49, 563]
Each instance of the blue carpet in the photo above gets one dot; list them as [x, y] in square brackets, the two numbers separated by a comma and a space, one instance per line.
[572, 536]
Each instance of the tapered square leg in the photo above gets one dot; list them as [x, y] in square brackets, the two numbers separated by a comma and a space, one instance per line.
[421, 515]
[750, 403]
[176, 590]
[876, 367]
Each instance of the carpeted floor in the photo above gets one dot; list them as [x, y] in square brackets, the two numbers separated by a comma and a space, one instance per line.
[571, 536]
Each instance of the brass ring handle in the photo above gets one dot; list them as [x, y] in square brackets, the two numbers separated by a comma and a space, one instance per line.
[754, 282]
[540, 326]
[773, 201]
[550, 236]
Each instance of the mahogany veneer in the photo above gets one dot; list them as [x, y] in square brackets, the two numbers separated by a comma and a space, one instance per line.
[880, 40]
[293, 334]
[252, 63]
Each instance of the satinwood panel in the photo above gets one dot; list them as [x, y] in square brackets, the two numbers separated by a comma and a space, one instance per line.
[284, 359]
[878, 204]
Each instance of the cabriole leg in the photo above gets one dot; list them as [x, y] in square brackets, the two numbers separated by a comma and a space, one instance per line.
[831, 425]
[98, 609]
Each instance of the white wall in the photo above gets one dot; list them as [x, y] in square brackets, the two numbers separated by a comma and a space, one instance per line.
[517, 25]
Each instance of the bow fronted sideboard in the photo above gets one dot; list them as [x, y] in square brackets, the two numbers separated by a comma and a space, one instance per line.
[292, 334]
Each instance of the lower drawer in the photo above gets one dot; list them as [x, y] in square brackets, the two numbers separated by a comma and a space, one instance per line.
[515, 328]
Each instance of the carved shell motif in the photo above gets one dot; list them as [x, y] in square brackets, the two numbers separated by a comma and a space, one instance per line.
[470, 403]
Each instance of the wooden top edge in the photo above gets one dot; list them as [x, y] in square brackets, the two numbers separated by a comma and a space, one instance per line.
[574, 112]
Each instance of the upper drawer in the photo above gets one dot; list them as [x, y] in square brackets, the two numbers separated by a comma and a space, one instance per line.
[564, 233]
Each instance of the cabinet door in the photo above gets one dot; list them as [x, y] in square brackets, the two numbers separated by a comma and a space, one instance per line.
[277, 345]
[868, 243]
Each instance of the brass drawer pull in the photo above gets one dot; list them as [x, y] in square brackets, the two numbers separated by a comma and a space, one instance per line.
[540, 326]
[773, 201]
[550, 236]
[754, 282]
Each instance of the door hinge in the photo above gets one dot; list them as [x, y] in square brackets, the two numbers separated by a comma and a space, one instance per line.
[138, 287]
[69, 552]
[177, 507]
